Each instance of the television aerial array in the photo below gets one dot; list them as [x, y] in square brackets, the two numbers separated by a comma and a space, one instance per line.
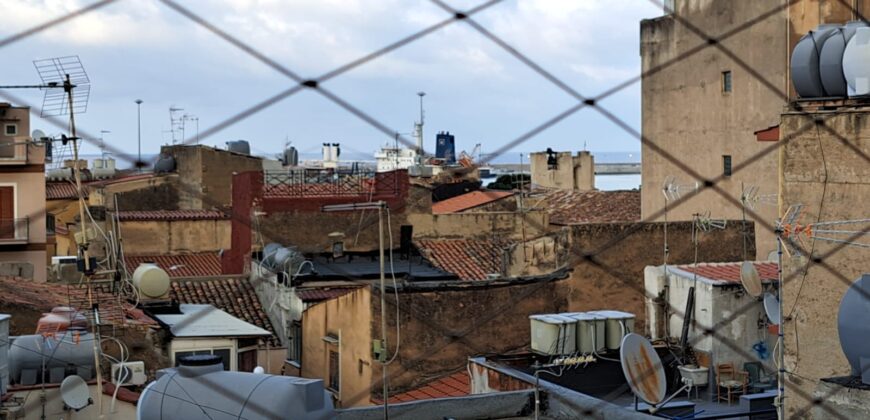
[752, 199]
[673, 190]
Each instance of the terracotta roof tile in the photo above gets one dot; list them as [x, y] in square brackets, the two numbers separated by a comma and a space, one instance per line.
[576, 207]
[172, 215]
[468, 201]
[187, 265]
[469, 259]
[63, 190]
[233, 296]
[454, 385]
[316, 295]
[45, 296]
[730, 272]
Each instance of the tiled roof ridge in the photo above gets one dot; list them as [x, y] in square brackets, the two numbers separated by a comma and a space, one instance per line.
[186, 214]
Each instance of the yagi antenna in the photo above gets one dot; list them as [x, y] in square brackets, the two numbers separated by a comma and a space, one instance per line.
[751, 197]
[66, 84]
[705, 223]
[854, 232]
[673, 190]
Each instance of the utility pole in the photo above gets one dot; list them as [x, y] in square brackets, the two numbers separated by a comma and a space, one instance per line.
[139, 130]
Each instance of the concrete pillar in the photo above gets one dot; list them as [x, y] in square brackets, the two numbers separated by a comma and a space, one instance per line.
[584, 171]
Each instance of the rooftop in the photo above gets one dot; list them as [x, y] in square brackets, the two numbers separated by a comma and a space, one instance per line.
[454, 385]
[468, 201]
[234, 296]
[171, 215]
[360, 267]
[727, 273]
[208, 321]
[206, 264]
[321, 294]
[63, 190]
[470, 259]
[576, 207]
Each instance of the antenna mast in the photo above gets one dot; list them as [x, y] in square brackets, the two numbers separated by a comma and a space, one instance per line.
[418, 129]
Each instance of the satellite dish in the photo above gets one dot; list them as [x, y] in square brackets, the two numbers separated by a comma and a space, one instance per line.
[74, 392]
[771, 308]
[750, 280]
[38, 135]
[772, 255]
[643, 369]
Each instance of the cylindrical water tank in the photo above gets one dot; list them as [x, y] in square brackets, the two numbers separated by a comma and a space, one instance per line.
[831, 59]
[151, 280]
[855, 63]
[209, 392]
[805, 62]
[166, 163]
[60, 174]
[67, 353]
[239, 146]
[853, 323]
[291, 157]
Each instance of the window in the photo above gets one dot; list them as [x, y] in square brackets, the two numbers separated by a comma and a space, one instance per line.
[224, 354]
[296, 341]
[726, 165]
[11, 129]
[334, 376]
[726, 81]
[49, 223]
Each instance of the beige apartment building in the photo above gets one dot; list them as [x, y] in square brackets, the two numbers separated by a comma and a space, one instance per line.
[22, 197]
[716, 117]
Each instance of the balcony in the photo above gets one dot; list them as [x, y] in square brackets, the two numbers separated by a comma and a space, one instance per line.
[13, 153]
[14, 231]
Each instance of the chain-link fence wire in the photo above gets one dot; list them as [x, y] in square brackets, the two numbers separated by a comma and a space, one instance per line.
[582, 101]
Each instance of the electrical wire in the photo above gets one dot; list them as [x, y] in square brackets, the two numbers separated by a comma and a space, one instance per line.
[395, 291]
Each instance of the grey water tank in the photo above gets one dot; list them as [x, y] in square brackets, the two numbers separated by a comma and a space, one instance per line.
[4, 353]
[239, 146]
[805, 62]
[291, 157]
[69, 353]
[855, 63]
[853, 323]
[165, 164]
[831, 59]
[201, 389]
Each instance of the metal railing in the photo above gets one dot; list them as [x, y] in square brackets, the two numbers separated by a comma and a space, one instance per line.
[327, 182]
[13, 153]
[14, 230]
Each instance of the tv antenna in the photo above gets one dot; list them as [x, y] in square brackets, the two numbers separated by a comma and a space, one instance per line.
[672, 190]
[176, 122]
[750, 198]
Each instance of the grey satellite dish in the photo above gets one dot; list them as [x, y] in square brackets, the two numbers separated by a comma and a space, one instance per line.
[771, 308]
[750, 280]
[643, 369]
[75, 393]
[38, 135]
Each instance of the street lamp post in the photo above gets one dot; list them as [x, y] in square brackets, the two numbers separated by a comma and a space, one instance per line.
[139, 129]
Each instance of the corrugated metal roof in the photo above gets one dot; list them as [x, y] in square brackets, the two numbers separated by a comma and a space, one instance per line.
[187, 265]
[730, 272]
[470, 259]
[576, 207]
[172, 215]
[468, 201]
[208, 321]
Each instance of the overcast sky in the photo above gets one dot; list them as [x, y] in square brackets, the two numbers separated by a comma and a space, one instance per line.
[143, 49]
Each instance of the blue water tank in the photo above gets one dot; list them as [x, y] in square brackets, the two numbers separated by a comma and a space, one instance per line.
[805, 57]
[853, 324]
[445, 147]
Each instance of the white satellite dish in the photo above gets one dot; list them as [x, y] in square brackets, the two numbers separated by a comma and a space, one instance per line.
[750, 280]
[771, 308]
[75, 393]
[38, 135]
[643, 369]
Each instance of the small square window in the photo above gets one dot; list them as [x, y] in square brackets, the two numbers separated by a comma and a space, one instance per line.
[726, 165]
[11, 129]
[726, 81]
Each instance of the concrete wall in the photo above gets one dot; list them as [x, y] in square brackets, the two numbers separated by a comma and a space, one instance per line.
[614, 278]
[686, 114]
[714, 308]
[832, 180]
[349, 319]
[28, 182]
[490, 406]
[154, 193]
[571, 172]
[54, 406]
[157, 237]
[205, 174]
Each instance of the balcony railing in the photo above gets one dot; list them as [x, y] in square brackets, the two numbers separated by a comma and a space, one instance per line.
[14, 230]
[328, 183]
[13, 153]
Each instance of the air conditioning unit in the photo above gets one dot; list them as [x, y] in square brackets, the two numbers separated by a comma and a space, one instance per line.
[132, 373]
